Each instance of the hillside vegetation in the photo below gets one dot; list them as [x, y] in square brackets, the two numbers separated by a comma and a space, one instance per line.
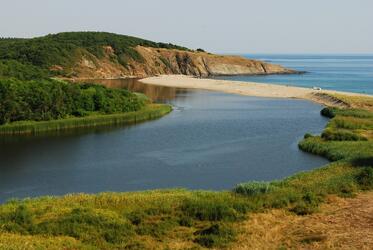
[181, 219]
[107, 55]
[63, 48]
[44, 100]
[32, 102]
[45, 105]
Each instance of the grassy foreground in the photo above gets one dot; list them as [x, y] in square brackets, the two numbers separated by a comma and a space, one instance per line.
[149, 112]
[182, 219]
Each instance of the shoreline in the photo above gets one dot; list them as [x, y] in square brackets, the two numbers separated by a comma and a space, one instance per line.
[324, 97]
[150, 112]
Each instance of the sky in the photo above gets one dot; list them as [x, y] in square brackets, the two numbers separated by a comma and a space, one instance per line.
[220, 26]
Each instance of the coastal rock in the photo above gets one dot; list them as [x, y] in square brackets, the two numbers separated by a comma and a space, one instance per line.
[157, 61]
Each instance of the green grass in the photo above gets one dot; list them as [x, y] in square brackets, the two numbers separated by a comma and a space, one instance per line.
[164, 219]
[343, 138]
[128, 220]
[149, 112]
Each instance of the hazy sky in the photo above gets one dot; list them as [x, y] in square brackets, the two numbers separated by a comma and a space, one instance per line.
[234, 26]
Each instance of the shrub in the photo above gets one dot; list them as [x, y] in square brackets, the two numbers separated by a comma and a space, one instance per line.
[136, 218]
[347, 189]
[308, 135]
[185, 221]
[365, 178]
[216, 235]
[22, 71]
[22, 216]
[328, 112]
[307, 205]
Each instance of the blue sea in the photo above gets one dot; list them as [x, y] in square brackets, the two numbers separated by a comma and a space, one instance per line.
[352, 73]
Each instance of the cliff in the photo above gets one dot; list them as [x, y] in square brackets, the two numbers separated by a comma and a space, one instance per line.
[107, 55]
[156, 61]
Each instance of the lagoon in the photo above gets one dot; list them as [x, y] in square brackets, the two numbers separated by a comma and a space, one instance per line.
[210, 141]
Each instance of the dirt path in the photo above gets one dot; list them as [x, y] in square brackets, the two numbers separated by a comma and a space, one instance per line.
[340, 224]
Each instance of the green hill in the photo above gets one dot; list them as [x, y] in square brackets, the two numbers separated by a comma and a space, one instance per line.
[65, 48]
[107, 55]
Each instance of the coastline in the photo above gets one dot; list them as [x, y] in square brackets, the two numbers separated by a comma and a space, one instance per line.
[324, 97]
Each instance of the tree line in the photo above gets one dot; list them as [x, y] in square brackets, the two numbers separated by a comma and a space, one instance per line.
[43, 100]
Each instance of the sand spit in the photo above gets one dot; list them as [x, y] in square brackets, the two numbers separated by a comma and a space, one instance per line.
[324, 97]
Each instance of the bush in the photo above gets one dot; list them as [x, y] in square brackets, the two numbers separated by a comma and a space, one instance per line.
[136, 218]
[185, 221]
[307, 205]
[215, 236]
[22, 216]
[22, 71]
[328, 112]
[365, 178]
[302, 208]
[307, 135]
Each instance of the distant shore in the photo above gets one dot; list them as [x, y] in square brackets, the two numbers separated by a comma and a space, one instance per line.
[325, 97]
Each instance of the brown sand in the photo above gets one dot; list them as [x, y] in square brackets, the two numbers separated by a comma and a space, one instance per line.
[250, 88]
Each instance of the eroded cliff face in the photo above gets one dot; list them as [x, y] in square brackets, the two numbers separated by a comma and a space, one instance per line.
[165, 61]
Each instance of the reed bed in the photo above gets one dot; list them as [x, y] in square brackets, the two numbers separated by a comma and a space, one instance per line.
[150, 112]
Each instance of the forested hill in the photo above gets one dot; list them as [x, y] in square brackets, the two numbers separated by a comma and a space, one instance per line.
[107, 55]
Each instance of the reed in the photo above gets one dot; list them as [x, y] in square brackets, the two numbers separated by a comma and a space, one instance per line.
[150, 112]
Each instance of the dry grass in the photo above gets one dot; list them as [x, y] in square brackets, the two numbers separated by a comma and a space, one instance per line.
[10, 241]
[367, 134]
[356, 101]
[340, 224]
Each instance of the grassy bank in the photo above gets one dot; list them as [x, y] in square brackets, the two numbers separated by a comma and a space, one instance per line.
[149, 112]
[182, 219]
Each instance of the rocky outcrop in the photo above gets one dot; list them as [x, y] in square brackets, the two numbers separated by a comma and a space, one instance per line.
[155, 61]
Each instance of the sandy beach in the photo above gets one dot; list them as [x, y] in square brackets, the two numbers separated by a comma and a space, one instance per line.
[251, 89]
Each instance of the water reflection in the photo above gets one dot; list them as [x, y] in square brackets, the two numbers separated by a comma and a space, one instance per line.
[156, 93]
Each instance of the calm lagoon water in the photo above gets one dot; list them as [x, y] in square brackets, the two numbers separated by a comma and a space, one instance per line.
[351, 73]
[211, 141]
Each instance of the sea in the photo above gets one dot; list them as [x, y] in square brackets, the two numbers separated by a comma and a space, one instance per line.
[351, 73]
